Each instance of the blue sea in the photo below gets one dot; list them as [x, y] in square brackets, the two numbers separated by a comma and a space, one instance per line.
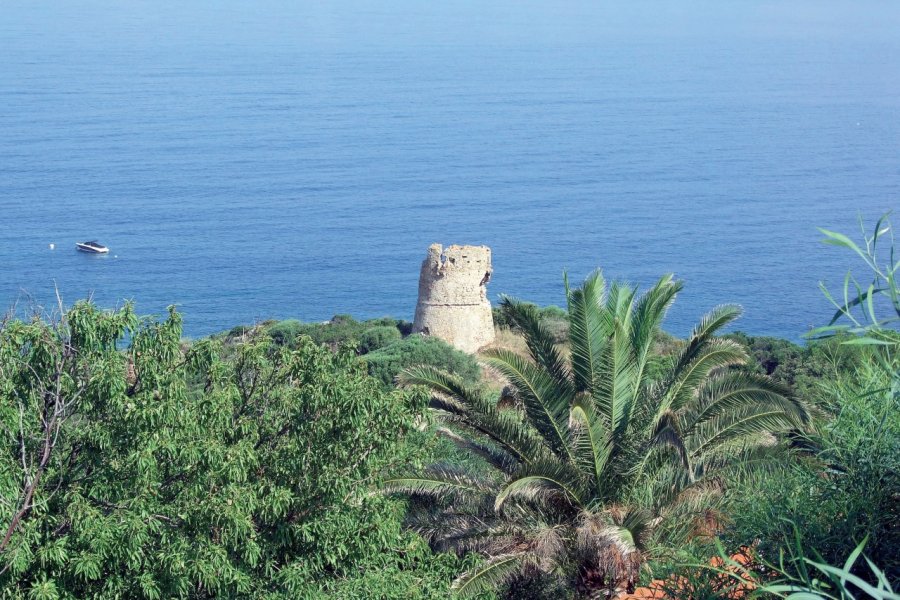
[294, 159]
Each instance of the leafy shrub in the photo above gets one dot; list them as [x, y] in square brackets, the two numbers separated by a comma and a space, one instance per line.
[801, 367]
[776, 357]
[340, 330]
[384, 364]
[665, 347]
[377, 337]
[847, 491]
[120, 478]
[285, 332]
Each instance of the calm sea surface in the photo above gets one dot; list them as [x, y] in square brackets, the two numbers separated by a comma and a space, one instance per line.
[252, 160]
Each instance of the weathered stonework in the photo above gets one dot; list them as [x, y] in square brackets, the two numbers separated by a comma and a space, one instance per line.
[453, 303]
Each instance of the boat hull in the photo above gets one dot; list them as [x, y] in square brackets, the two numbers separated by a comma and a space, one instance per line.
[91, 249]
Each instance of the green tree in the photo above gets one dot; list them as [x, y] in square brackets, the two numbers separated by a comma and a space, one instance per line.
[597, 462]
[135, 467]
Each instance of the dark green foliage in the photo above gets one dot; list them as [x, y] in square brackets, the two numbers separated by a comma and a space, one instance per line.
[386, 363]
[237, 332]
[375, 338]
[537, 586]
[285, 332]
[340, 330]
[665, 348]
[776, 357]
[801, 367]
[120, 479]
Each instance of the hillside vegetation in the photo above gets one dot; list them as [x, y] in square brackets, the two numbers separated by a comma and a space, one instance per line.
[586, 454]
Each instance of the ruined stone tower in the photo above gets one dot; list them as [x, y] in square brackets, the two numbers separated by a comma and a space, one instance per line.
[453, 303]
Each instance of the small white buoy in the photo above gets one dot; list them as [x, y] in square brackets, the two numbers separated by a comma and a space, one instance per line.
[52, 246]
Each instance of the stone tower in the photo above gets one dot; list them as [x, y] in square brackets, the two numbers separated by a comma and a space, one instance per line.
[453, 303]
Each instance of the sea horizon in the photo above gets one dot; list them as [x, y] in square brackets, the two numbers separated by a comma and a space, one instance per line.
[278, 161]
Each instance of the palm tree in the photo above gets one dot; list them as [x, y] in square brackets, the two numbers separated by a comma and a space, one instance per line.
[595, 461]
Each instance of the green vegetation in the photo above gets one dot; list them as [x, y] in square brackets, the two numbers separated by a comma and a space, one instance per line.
[803, 368]
[809, 521]
[817, 580]
[554, 319]
[160, 472]
[845, 487]
[378, 337]
[281, 460]
[365, 336]
[387, 362]
[385, 344]
[595, 464]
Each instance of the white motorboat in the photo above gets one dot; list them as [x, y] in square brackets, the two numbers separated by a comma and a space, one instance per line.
[93, 247]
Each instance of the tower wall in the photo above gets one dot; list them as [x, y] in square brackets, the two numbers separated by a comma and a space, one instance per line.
[453, 303]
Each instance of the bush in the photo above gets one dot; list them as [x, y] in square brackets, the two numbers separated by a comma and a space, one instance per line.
[846, 491]
[132, 467]
[665, 347]
[384, 364]
[341, 329]
[285, 332]
[377, 337]
[801, 367]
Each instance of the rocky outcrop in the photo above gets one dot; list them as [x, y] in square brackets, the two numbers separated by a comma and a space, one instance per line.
[453, 303]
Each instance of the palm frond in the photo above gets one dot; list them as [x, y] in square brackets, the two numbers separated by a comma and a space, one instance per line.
[668, 433]
[540, 344]
[465, 398]
[450, 529]
[546, 403]
[714, 320]
[686, 377]
[467, 407]
[737, 462]
[503, 428]
[440, 481]
[649, 312]
[492, 574]
[619, 307]
[700, 336]
[591, 440]
[548, 477]
[494, 456]
[586, 336]
[637, 523]
[733, 425]
[735, 390]
[614, 391]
